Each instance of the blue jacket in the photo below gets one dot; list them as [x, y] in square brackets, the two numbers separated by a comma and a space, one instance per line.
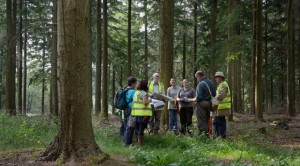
[129, 97]
[202, 92]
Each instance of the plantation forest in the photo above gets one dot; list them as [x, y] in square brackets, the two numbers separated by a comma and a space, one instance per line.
[62, 62]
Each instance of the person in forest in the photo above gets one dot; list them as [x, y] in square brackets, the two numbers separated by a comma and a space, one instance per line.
[204, 91]
[141, 110]
[186, 108]
[155, 86]
[172, 92]
[131, 83]
[224, 107]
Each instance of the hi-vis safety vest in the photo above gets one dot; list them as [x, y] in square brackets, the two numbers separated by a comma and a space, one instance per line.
[151, 87]
[138, 107]
[226, 102]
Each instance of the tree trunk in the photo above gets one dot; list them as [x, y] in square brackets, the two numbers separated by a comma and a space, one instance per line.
[20, 68]
[290, 64]
[238, 75]
[253, 62]
[10, 86]
[25, 61]
[213, 37]
[231, 67]
[75, 138]
[43, 79]
[104, 110]
[297, 50]
[195, 41]
[266, 90]
[239, 102]
[258, 74]
[98, 60]
[1, 75]
[54, 87]
[129, 38]
[166, 24]
[113, 89]
[146, 40]
[184, 54]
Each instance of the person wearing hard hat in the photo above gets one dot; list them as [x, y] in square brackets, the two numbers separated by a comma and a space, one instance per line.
[224, 107]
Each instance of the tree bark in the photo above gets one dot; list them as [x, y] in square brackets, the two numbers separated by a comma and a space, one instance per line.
[146, 40]
[166, 24]
[253, 61]
[213, 37]
[43, 79]
[129, 38]
[113, 89]
[10, 86]
[266, 74]
[75, 138]
[290, 64]
[104, 110]
[98, 60]
[54, 86]
[258, 75]
[231, 67]
[25, 61]
[1, 75]
[20, 68]
[184, 54]
[195, 40]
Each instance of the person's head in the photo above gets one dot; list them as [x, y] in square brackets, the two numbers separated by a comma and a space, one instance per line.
[199, 75]
[155, 77]
[173, 82]
[219, 76]
[143, 85]
[185, 83]
[131, 81]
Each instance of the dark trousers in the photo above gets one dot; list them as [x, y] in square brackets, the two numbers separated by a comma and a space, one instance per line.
[186, 114]
[140, 127]
[122, 128]
[220, 126]
[203, 109]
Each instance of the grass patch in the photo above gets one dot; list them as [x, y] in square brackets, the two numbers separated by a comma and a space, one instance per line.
[19, 133]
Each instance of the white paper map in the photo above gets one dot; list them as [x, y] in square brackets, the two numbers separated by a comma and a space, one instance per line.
[162, 97]
[157, 104]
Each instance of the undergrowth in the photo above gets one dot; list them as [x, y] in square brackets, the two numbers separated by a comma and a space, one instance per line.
[169, 149]
[166, 149]
[18, 132]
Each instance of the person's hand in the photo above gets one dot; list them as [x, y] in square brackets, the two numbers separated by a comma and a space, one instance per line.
[185, 99]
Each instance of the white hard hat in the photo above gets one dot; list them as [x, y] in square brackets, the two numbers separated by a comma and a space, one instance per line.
[219, 74]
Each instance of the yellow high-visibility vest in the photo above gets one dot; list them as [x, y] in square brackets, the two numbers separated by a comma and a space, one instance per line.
[151, 87]
[226, 102]
[138, 107]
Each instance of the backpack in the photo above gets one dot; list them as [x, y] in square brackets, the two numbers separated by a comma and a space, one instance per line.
[120, 99]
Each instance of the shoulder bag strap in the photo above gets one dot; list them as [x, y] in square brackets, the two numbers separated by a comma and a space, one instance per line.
[208, 89]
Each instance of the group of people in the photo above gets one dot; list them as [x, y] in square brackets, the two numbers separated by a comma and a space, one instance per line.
[186, 101]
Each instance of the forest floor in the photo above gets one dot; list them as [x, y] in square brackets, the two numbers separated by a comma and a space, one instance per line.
[278, 130]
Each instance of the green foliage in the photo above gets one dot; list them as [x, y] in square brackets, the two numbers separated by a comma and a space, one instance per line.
[166, 149]
[25, 132]
[169, 149]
